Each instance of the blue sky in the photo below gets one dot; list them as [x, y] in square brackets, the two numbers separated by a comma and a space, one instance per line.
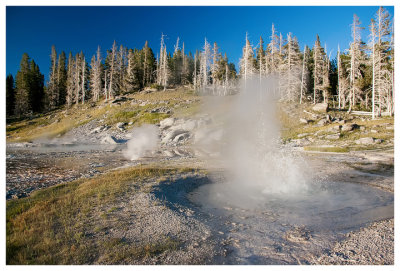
[35, 29]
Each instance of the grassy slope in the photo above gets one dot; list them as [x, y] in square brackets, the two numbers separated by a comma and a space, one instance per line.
[58, 122]
[292, 128]
[40, 228]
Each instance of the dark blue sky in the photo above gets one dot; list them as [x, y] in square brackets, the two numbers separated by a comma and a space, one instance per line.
[34, 29]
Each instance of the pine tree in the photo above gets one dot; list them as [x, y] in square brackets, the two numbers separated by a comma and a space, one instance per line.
[36, 81]
[22, 92]
[112, 72]
[291, 68]
[52, 86]
[261, 59]
[382, 75]
[121, 66]
[356, 58]
[70, 80]
[163, 72]
[149, 65]
[247, 69]
[215, 66]
[61, 78]
[272, 57]
[10, 95]
[339, 83]
[204, 76]
[129, 81]
[185, 67]
[83, 77]
[77, 77]
[319, 70]
[196, 64]
[96, 75]
[304, 74]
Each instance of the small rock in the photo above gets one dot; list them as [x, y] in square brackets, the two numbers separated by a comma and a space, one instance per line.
[305, 121]
[302, 135]
[169, 154]
[374, 131]
[322, 122]
[337, 127]
[365, 141]
[172, 134]
[320, 107]
[333, 136]
[390, 127]
[109, 140]
[166, 123]
[119, 99]
[329, 118]
[120, 125]
[378, 140]
[349, 127]
[181, 137]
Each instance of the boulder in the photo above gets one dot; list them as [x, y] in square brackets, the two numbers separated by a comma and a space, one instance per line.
[329, 118]
[365, 141]
[391, 127]
[108, 139]
[99, 129]
[181, 137]
[349, 127]
[164, 110]
[166, 123]
[322, 122]
[337, 127]
[119, 99]
[169, 154]
[121, 126]
[333, 136]
[305, 121]
[321, 107]
[170, 135]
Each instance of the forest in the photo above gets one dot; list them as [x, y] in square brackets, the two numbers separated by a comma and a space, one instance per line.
[360, 77]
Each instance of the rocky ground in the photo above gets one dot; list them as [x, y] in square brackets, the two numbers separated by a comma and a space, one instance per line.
[373, 244]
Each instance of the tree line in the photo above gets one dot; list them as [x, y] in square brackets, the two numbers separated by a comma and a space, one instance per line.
[361, 77]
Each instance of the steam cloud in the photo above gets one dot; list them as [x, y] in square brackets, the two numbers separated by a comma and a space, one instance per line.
[248, 146]
[144, 140]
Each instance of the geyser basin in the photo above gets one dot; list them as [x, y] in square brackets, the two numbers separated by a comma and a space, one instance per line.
[275, 228]
[327, 204]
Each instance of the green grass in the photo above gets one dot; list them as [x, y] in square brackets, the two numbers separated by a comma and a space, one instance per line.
[58, 225]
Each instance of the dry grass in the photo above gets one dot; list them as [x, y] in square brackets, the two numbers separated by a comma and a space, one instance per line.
[58, 122]
[56, 225]
[325, 149]
[291, 127]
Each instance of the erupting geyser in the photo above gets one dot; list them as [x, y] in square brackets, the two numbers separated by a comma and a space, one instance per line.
[249, 149]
